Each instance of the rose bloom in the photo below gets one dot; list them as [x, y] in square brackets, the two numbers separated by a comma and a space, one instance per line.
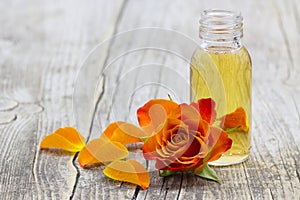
[182, 137]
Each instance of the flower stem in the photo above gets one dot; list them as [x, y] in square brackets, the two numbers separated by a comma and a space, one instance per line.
[170, 98]
[232, 129]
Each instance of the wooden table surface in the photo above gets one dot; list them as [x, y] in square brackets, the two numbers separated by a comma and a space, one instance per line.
[49, 80]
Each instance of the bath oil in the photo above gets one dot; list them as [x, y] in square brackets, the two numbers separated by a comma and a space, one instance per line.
[221, 69]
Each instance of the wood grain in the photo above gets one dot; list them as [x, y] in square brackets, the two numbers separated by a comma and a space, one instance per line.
[44, 46]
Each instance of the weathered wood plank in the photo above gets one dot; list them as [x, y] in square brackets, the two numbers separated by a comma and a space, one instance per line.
[42, 44]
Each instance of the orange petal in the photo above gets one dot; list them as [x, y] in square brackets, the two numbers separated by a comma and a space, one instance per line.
[185, 112]
[87, 154]
[206, 108]
[235, 119]
[142, 173]
[219, 143]
[67, 138]
[154, 113]
[101, 151]
[149, 148]
[129, 171]
[108, 132]
[124, 133]
[153, 143]
[200, 125]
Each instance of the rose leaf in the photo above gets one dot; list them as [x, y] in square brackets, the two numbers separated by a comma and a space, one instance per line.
[165, 173]
[144, 139]
[209, 173]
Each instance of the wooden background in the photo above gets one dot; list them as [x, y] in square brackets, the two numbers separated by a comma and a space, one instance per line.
[43, 46]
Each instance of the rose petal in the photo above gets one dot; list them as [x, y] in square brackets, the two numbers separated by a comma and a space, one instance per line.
[67, 138]
[235, 119]
[193, 149]
[142, 173]
[149, 148]
[206, 108]
[198, 125]
[129, 171]
[87, 154]
[101, 151]
[185, 112]
[219, 143]
[159, 139]
[154, 113]
[124, 133]
[108, 132]
[166, 164]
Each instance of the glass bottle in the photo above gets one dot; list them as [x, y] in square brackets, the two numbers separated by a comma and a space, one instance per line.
[221, 69]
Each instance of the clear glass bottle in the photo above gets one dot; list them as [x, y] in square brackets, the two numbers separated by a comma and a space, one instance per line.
[221, 69]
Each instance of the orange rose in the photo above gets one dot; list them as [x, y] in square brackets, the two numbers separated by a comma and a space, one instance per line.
[185, 140]
[153, 114]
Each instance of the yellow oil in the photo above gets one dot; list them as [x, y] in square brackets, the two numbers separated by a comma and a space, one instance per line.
[225, 76]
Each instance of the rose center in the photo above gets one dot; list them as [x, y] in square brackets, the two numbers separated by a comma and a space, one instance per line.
[179, 137]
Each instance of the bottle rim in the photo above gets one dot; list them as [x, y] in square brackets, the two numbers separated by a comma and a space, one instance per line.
[221, 30]
[220, 19]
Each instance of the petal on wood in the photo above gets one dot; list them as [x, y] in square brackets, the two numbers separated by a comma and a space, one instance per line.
[235, 119]
[142, 173]
[129, 171]
[108, 132]
[87, 154]
[101, 151]
[124, 133]
[67, 138]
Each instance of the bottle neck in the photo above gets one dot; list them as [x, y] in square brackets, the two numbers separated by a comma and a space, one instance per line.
[221, 31]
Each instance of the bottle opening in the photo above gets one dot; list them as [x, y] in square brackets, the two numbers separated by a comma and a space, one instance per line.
[221, 28]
